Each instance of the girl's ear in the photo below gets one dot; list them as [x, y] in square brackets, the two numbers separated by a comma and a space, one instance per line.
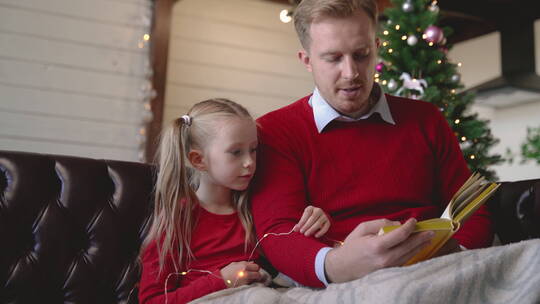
[196, 158]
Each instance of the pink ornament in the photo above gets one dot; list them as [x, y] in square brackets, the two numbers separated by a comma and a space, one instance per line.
[434, 34]
[379, 67]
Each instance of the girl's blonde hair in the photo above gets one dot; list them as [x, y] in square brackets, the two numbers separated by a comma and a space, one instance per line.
[173, 219]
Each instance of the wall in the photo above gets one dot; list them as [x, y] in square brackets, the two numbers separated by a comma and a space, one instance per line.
[71, 74]
[238, 49]
[481, 62]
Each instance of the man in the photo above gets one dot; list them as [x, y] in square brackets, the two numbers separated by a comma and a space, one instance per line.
[366, 158]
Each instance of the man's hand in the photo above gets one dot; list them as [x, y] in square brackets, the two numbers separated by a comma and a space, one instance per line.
[364, 251]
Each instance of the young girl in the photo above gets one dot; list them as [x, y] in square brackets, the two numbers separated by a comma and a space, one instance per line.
[201, 238]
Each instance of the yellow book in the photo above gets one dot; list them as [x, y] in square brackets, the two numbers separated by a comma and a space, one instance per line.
[472, 194]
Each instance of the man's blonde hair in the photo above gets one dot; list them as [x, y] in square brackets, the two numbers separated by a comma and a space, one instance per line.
[308, 11]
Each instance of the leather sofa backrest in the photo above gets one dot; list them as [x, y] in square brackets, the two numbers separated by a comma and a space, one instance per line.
[71, 228]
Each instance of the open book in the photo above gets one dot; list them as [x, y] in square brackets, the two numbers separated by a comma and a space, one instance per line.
[474, 192]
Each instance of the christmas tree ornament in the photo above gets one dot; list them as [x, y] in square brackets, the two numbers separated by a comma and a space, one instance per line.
[433, 34]
[455, 78]
[392, 85]
[412, 84]
[412, 40]
[434, 8]
[407, 6]
[379, 67]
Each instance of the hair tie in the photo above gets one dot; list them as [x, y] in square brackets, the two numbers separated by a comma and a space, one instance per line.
[187, 120]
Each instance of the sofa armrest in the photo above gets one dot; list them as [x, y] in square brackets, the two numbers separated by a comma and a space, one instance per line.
[516, 211]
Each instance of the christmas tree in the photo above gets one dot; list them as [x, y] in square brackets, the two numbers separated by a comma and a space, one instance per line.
[415, 65]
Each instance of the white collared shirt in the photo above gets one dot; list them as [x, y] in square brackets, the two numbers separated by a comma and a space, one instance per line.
[324, 113]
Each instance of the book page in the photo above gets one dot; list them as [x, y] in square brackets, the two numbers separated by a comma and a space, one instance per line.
[476, 203]
[468, 189]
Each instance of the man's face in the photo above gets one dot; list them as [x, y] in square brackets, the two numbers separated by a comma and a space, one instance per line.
[342, 57]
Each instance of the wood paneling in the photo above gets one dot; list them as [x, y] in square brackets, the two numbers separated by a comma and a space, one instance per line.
[71, 74]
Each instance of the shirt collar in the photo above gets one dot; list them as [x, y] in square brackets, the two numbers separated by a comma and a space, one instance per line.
[324, 113]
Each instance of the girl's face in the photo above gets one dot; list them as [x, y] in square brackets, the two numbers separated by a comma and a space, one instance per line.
[231, 153]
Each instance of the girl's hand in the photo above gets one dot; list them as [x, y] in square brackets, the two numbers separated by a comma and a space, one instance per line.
[313, 220]
[240, 273]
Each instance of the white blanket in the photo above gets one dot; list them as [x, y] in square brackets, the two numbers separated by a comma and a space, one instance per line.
[503, 274]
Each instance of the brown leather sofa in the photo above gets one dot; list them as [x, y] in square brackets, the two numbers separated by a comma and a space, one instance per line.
[71, 228]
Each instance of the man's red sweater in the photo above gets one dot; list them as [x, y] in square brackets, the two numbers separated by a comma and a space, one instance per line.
[216, 241]
[355, 171]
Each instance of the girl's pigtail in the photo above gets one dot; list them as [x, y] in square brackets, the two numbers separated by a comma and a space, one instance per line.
[174, 198]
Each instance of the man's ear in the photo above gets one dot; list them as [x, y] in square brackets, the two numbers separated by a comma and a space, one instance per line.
[305, 59]
[196, 158]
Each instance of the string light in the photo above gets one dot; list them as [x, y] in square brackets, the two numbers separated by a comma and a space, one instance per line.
[376, 75]
[439, 61]
[183, 273]
[397, 27]
[430, 43]
[384, 82]
[459, 64]
[453, 91]
[390, 51]
[241, 273]
[385, 43]
[146, 37]
[385, 32]
[472, 156]
[463, 138]
[404, 37]
[424, 36]
[456, 121]
[285, 16]
[377, 80]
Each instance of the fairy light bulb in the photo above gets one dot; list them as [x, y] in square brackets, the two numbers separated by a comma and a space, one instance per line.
[459, 64]
[404, 37]
[456, 121]
[472, 156]
[424, 36]
[463, 138]
[385, 32]
[439, 61]
[241, 274]
[229, 282]
[146, 37]
[284, 16]
[384, 82]
[183, 273]
[385, 43]
[397, 27]
[430, 43]
[453, 91]
[390, 51]
[376, 75]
